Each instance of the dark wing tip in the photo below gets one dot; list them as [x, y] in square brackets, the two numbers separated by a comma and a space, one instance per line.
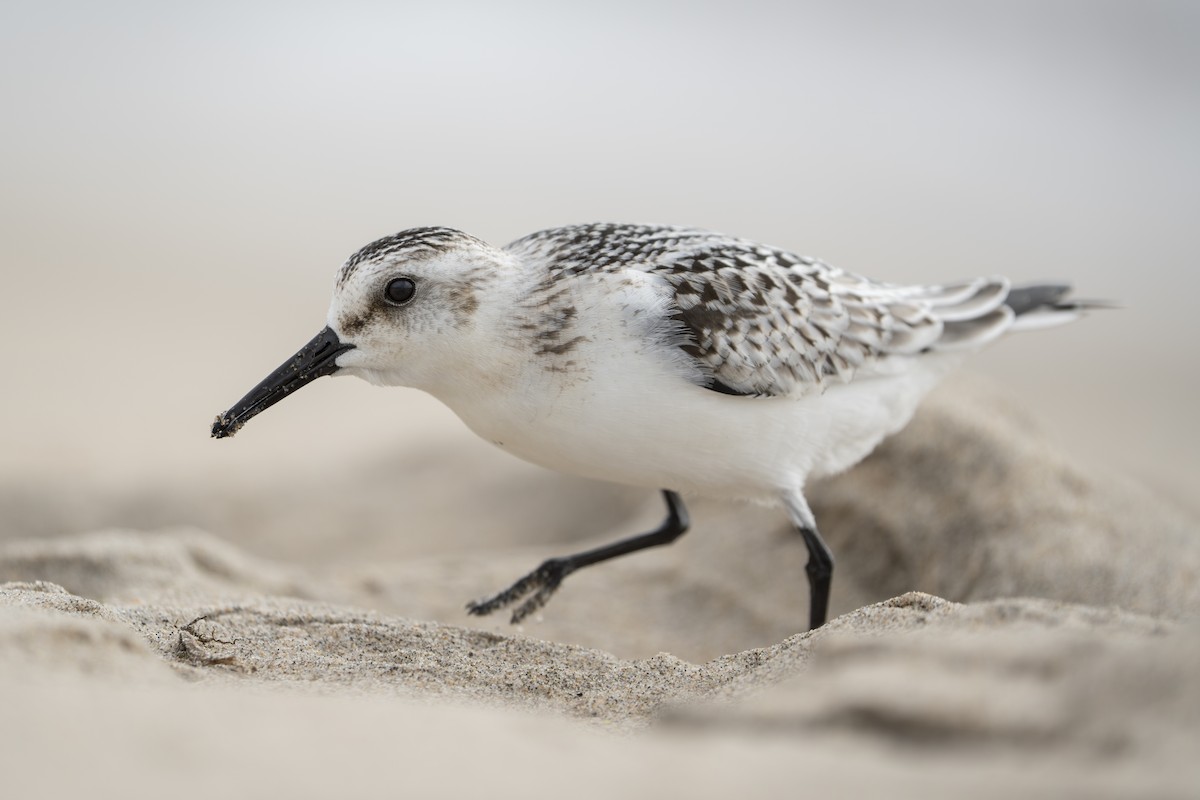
[1022, 299]
[1052, 297]
[723, 388]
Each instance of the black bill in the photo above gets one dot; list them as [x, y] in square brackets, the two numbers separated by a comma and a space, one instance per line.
[315, 359]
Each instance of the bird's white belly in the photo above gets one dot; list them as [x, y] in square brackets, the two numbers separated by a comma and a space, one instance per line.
[653, 428]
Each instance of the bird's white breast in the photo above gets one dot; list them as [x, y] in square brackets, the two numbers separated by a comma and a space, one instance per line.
[620, 406]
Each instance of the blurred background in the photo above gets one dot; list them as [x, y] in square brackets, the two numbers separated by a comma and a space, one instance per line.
[181, 182]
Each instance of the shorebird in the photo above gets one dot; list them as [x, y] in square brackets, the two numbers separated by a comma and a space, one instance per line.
[656, 356]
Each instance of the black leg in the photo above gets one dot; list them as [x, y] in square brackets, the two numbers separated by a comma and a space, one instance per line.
[820, 575]
[820, 560]
[543, 581]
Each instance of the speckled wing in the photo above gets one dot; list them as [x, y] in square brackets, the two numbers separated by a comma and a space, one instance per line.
[766, 322]
[761, 321]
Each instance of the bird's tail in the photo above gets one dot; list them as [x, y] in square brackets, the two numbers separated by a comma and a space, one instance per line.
[1045, 305]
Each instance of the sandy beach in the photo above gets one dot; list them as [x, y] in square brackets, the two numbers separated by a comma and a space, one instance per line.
[1017, 589]
[1064, 666]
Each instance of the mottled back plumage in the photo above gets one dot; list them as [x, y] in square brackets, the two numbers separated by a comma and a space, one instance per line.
[762, 321]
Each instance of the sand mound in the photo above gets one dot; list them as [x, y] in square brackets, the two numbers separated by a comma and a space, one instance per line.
[913, 696]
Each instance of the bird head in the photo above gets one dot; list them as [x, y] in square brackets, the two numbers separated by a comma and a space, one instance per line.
[405, 311]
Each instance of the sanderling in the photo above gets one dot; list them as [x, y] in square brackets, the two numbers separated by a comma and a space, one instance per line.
[657, 356]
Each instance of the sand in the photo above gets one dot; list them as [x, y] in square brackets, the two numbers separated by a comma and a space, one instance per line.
[1010, 623]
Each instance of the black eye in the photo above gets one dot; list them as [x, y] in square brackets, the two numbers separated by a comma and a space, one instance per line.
[400, 290]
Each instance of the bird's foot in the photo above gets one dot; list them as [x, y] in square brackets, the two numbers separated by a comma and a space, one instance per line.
[539, 585]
